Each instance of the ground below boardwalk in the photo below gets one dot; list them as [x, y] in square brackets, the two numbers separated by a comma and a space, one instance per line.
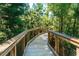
[38, 47]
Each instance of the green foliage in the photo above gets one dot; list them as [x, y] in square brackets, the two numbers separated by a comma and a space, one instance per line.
[11, 22]
[66, 20]
[14, 18]
[66, 17]
[33, 20]
[3, 36]
[34, 17]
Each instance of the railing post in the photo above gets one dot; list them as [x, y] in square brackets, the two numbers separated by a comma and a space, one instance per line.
[13, 52]
[21, 47]
[48, 36]
[57, 44]
[28, 36]
[25, 39]
[23, 42]
[61, 47]
[63, 51]
[77, 51]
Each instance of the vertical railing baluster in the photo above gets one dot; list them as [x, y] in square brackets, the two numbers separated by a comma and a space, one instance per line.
[63, 51]
[24, 42]
[25, 39]
[13, 52]
[56, 44]
[77, 51]
[48, 36]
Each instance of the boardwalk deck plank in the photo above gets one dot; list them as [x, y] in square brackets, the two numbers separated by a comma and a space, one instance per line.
[38, 47]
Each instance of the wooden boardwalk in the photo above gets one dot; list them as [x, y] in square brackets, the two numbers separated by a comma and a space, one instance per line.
[38, 47]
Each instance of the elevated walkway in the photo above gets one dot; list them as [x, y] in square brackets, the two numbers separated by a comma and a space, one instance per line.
[38, 47]
[40, 42]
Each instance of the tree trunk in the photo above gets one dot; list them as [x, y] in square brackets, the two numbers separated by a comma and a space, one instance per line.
[61, 24]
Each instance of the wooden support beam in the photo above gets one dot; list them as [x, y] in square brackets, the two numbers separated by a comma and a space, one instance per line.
[61, 48]
[63, 52]
[57, 45]
[48, 36]
[13, 52]
[21, 47]
[23, 43]
[28, 36]
[25, 39]
[77, 51]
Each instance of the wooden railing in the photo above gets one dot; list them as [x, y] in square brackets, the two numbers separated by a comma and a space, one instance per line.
[16, 45]
[62, 44]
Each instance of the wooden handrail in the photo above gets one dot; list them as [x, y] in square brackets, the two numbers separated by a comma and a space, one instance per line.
[10, 47]
[57, 39]
[72, 40]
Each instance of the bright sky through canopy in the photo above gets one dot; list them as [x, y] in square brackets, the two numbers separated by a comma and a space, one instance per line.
[30, 5]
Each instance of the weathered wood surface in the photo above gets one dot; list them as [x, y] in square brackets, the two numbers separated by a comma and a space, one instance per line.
[38, 47]
[59, 40]
[18, 42]
[6, 47]
[72, 40]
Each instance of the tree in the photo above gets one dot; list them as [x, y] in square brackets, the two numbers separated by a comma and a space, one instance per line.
[11, 23]
[34, 18]
[59, 10]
